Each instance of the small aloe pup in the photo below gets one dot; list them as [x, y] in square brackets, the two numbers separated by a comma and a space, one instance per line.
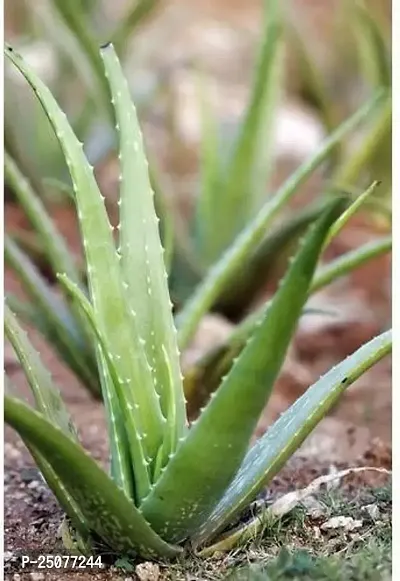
[171, 487]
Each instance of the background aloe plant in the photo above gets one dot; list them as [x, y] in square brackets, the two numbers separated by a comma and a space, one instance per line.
[171, 486]
[57, 316]
[233, 180]
[68, 34]
[364, 32]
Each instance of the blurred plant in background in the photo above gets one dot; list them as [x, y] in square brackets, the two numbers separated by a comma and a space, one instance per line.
[236, 205]
[361, 63]
[60, 39]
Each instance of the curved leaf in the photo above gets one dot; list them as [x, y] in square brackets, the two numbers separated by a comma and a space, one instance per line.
[47, 396]
[55, 313]
[142, 261]
[120, 419]
[272, 450]
[197, 475]
[230, 263]
[52, 242]
[108, 512]
[113, 315]
[232, 195]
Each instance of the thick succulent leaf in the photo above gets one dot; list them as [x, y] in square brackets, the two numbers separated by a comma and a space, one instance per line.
[47, 397]
[239, 193]
[113, 316]
[55, 313]
[272, 450]
[108, 512]
[164, 213]
[326, 274]
[210, 169]
[231, 262]
[341, 222]
[207, 460]
[269, 261]
[52, 242]
[142, 262]
[122, 429]
[29, 313]
[60, 491]
[203, 377]
[49, 403]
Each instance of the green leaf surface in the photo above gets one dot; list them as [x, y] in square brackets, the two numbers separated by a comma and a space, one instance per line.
[52, 242]
[353, 208]
[271, 452]
[230, 263]
[207, 460]
[238, 194]
[108, 512]
[119, 413]
[108, 294]
[47, 396]
[313, 86]
[54, 312]
[268, 262]
[326, 274]
[142, 261]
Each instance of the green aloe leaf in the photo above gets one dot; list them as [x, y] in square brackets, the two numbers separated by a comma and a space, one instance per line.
[32, 315]
[350, 212]
[142, 262]
[325, 275]
[122, 428]
[268, 260]
[207, 460]
[49, 403]
[240, 192]
[47, 397]
[231, 262]
[108, 512]
[210, 176]
[52, 242]
[114, 317]
[205, 376]
[55, 314]
[164, 213]
[272, 450]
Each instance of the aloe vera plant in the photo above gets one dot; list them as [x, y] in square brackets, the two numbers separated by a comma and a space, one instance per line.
[234, 176]
[171, 486]
[57, 315]
[369, 41]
